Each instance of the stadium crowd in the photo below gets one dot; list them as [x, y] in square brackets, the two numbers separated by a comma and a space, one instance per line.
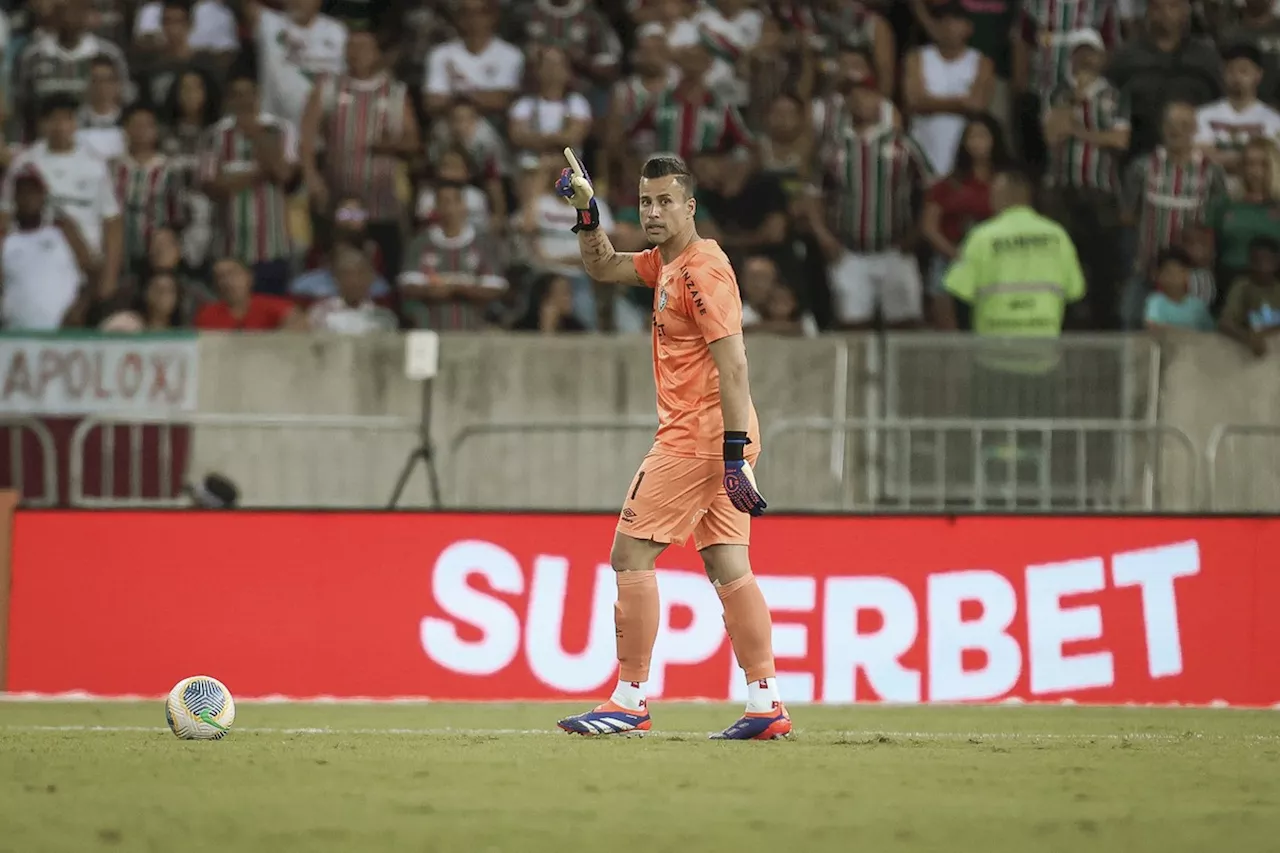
[356, 165]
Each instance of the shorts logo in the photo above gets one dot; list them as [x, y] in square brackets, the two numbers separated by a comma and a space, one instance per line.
[628, 515]
[662, 299]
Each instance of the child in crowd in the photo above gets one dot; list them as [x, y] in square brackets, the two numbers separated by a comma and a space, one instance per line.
[1197, 242]
[1171, 305]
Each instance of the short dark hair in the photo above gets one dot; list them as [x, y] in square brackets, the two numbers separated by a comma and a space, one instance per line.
[669, 165]
[950, 9]
[243, 68]
[1263, 243]
[1242, 50]
[1174, 255]
[134, 109]
[59, 102]
[183, 5]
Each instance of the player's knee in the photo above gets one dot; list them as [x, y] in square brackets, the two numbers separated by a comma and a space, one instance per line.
[632, 555]
[725, 564]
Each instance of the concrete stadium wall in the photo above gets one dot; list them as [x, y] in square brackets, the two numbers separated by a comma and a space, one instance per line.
[488, 379]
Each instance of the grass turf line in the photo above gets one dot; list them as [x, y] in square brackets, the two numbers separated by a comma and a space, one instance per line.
[407, 778]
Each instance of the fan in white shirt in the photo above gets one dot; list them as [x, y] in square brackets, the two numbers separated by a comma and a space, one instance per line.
[1225, 126]
[294, 49]
[351, 312]
[41, 262]
[729, 28]
[213, 25]
[479, 65]
[100, 129]
[79, 186]
[555, 118]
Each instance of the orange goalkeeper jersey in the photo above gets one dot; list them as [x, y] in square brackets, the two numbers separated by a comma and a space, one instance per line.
[695, 303]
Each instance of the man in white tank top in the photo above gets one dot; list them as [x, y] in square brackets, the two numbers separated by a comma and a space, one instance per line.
[945, 83]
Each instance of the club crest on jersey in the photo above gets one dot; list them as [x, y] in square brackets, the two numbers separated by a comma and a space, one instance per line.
[662, 299]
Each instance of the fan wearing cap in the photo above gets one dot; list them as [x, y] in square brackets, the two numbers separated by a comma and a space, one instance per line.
[43, 261]
[875, 177]
[1086, 128]
[1225, 126]
[945, 82]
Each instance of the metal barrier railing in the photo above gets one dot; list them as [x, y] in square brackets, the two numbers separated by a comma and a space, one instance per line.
[589, 475]
[1252, 458]
[959, 464]
[17, 427]
[276, 460]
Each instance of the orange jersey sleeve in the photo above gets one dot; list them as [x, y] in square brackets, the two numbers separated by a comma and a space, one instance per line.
[712, 296]
[648, 266]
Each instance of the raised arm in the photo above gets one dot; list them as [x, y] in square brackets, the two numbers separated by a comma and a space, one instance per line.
[602, 261]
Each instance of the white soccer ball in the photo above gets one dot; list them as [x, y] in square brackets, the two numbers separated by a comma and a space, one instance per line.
[200, 708]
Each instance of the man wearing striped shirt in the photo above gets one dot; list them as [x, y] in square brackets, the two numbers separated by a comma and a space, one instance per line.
[1163, 192]
[875, 178]
[148, 186]
[59, 63]
[1086, 127]
[455, 270]
[366, 125]
[248, 160]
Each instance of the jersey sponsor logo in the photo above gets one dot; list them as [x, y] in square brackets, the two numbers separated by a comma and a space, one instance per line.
[662, 299]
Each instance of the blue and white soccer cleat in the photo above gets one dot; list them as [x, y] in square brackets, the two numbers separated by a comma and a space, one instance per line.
[608, 719]
[771, 725]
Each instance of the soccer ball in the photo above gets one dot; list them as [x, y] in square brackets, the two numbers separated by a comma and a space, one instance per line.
[200, 708]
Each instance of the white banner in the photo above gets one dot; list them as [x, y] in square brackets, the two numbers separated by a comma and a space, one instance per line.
[81, 374]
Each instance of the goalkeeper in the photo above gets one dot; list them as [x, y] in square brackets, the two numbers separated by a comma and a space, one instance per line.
[696, 480]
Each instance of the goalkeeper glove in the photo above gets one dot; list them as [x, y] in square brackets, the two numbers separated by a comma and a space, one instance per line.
[739, 481]
[574, 187]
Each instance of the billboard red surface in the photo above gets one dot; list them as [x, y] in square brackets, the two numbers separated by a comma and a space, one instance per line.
[506, 607]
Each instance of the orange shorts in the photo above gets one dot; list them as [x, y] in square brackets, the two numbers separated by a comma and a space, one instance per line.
[672, 497]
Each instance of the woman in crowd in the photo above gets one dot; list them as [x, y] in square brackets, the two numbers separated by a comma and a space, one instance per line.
[1253, 213]
[551, 307]
[159, 308]
[958, 202]
[193, 105]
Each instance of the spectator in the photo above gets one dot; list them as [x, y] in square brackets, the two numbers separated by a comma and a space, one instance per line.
[1225, 126]
[769, 305]
[958, 202]
[555, 246]
[164, 255]
[652, 74]
[193, 105]
[1170, 304]
[148, 187]
[173, 52]
[1165, 191]
[1197, 243]
[319, 282]
[749, 210]
[1041, 59]
[1252, 313]
[159, 309]
[294, 48]
[551, 308]
[1164, 64]
[247, 162]
[451, 167]
[59, 66]
[43, 261]
[455, 272]
[1086, 128]
[210, 27]
[830, 113]
[1255, 212]
[578, 29]
[945, 82]
[1017, 271]
[99, 116]
[689, 119]
[485, 150]
[79, 186]
[874, 174]
[993, 22]
[351, 311]
[778, 64]
[1258, 25]
[479, 65]
[421, 26]
[834, 25]
[786, 150]
[732, 29]
[240, 309]
[365, 123]
[545, 123]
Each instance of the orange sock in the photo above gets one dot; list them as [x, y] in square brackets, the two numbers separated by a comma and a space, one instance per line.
[635, 618]
[746, 617]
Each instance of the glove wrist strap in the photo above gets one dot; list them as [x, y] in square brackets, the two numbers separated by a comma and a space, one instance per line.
[589, 219]
[735, 445]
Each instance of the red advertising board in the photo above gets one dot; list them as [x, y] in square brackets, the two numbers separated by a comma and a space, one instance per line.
[508, 607]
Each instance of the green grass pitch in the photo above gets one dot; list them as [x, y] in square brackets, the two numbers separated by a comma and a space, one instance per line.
[448, 778]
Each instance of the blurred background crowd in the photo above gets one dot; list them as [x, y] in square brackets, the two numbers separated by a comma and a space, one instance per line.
[359, 165]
